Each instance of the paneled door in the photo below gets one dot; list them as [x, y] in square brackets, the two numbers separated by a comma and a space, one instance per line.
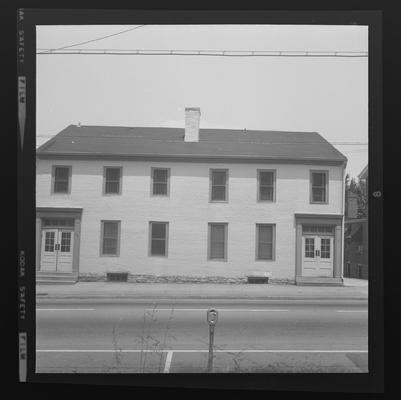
[317, 256]
[56, 250]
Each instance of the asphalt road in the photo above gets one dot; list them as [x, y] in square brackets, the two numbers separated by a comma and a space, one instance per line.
[250, 336]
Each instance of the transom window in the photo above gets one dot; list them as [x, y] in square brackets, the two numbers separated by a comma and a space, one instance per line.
[158, 238]
[318, 229]
[218, 241]
[59, 222]
[219, 179]
[266, 183]
[112, 180]
[265, 242]
[110, 238]
[61, 179]
[319, 181]
[160, 180]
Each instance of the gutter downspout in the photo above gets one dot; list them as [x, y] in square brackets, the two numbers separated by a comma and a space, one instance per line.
[343, 220]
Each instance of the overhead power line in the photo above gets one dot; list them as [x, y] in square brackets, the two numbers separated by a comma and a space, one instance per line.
[216, 53]
[93, 40]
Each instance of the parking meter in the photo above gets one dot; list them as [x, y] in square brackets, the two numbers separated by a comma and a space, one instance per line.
[211, 317]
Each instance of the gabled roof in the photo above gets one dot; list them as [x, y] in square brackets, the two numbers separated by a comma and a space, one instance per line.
[112, 141]
[364, 173]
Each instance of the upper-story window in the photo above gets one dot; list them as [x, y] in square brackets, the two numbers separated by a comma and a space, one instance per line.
[112, 180]
[61, 179]
[160, 181]
[219, 185]
[266, 185]
[319, 186]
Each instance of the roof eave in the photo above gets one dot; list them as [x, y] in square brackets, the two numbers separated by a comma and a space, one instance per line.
[188, 157]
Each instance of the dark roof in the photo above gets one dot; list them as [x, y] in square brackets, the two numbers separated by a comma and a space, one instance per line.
[364, 173]
[111, 141]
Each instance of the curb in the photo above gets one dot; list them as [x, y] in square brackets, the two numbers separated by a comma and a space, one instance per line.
[200, 298]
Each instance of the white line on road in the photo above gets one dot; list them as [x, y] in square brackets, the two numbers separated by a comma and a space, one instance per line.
[352, 311]
[168, 362]
[205, 309]
[195, 351]
[65, 309]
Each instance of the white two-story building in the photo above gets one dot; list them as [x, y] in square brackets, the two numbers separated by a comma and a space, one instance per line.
[189, 204]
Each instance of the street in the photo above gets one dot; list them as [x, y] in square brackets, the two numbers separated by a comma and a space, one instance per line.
[250, 336]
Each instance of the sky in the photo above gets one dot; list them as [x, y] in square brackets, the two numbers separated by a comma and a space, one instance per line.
[328, 95]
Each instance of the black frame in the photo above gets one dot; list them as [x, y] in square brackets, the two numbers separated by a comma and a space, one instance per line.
[27, 19]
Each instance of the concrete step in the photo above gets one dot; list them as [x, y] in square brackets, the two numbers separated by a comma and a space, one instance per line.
[55, 278]
[319, 281]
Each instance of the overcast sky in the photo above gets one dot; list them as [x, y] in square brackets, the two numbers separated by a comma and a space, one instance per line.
[328, 95]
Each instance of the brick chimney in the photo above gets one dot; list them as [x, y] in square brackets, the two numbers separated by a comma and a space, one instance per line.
[351, 205]
[192, 119]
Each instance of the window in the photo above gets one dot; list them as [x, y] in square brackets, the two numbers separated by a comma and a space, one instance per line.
[319, 181]
[218, 180]
[112, 180]
[266, 184]
[310, 247]
[49, 241]
[61, 176]
[325, 248]
[110, 238]
[318, 229]
[65, 242]
[158, 238]
[58, 222]
[160, 181]
[218, 241]
[265, 242]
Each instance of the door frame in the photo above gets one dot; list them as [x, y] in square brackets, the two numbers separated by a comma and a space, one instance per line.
[59, 212]
[335, 220]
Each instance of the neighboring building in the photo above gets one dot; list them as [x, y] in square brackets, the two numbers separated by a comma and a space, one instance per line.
[192, 203]
[356, 237]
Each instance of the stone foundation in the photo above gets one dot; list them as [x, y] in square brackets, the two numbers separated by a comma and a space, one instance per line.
[133, 278]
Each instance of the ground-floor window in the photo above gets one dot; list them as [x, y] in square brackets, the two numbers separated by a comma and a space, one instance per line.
[217, 241]
[158, 238]
[110, 238]
[265, 241]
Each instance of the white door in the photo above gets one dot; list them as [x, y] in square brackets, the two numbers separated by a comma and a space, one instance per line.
[57, 246]
[317, 256]
[48, 259]
[64, 250]
[326, 256]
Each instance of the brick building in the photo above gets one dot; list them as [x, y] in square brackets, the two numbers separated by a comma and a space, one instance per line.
[356, 259]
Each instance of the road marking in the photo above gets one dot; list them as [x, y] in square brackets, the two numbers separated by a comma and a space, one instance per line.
[168, 362]
[194, 351]
[352, 311]
[65, 309]
[219, 309]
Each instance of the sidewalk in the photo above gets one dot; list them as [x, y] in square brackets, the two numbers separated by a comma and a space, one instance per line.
[353, 289]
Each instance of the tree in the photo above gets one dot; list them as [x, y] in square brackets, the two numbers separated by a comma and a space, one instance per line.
[358, 188]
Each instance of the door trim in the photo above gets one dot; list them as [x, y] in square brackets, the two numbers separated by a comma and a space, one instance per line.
[59, 212]
[319, 219]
